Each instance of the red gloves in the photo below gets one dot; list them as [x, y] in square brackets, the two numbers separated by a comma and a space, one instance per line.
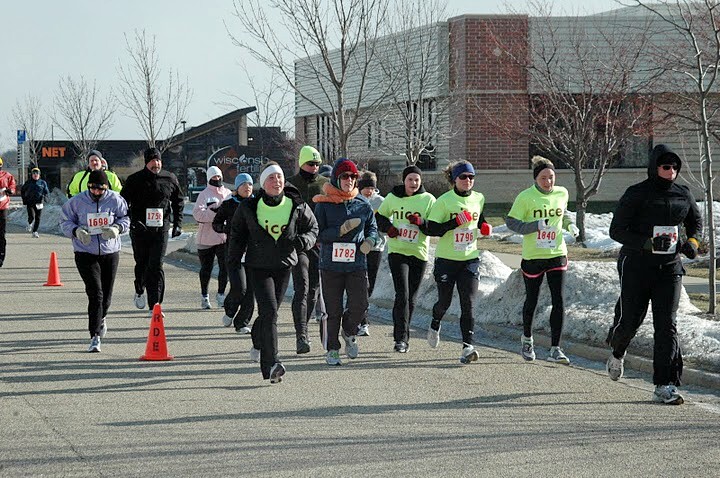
[393, 232]
[415, 219]
[485, 229]
[463, 217]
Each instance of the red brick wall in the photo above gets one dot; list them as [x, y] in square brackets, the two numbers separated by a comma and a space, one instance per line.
[487, 54]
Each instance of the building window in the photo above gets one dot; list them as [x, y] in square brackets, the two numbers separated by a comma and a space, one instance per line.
[377, 135]
[421, 125]
[325, 137]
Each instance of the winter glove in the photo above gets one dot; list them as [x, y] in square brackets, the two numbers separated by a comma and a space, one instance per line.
[367, 246]
[177, 230]
[485, 229]
[393, 232]
[110, 232]
[690, 248]
[349, 225]
[83, 236]
[415, 219]
[661, 243]
[463, 217]
[573, 230]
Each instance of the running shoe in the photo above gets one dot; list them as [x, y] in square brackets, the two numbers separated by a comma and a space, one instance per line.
[220, 299]
[557, 356]
[469, 354]
[29, 228]
[35, 235]
[433, 337]
[140, 301]
[363, 330]
[205, 302]
[302, 345]
[94, 344]
[615, 367]
[667, 394]
[332, 357]
[276, 372]
[528, 349]
[243, 330]
[254, 354]
[227, 321]
[351, 345]
[401, 347]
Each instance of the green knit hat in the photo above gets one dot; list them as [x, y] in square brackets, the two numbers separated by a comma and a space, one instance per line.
[308, 153]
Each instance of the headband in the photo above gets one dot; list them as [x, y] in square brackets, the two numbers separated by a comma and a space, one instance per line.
[272, 169]
[462, 168]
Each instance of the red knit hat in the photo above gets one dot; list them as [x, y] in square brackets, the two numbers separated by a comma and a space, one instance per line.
[342, 165]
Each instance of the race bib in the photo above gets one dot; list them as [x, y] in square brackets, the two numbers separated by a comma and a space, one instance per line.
[96, 221]
[408, 233]
[546, 239]
[343, 252]
[671, 231]
[464, 239]
[39, 206]
[154, 217]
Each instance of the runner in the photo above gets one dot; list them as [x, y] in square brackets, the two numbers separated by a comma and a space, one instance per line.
[95, 219]
[7, 188]
[367, 184]
[34, 193]
[156, 204]
[211, 244]
[269, 230]
[647, 224]
[240, 302]
[399, 215]
[538, 213]
[455, 217]
[347, 233]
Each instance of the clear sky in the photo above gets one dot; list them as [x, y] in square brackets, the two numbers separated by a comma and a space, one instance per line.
[43, 40]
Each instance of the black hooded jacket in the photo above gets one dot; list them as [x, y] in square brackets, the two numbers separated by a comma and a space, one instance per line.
[260, 248]
[655, 202]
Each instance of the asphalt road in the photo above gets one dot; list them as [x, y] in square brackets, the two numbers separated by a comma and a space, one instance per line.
[64, 412]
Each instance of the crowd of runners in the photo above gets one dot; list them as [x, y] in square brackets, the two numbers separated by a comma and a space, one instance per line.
[327, 227]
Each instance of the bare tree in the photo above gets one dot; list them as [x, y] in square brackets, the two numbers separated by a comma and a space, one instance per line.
[28, 114]
[330, 48]
[158, 102]
[82, 113]
[589, 94]
[692, 63]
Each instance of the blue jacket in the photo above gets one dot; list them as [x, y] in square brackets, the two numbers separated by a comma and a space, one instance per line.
[34, 192]
[75, 214]
[330, 217]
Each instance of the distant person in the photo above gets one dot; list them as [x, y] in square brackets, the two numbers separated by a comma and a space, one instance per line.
[34, 193]
[647, 223]
[538, 213]
[7, 188]
[210, 243]
[239, 303]
[156, 206]
[95, 219]
[367, 185]
[80, 180]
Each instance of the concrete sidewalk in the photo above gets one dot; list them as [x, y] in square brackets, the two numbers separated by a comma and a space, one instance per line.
[208, 412]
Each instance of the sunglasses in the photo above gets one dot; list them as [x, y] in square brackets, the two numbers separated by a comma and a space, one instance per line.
[97, 186]
[466, 176]
[668, 167]
[348, 176]
[313, 164]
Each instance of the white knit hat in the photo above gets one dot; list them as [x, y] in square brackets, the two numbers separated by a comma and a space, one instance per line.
[213, 171]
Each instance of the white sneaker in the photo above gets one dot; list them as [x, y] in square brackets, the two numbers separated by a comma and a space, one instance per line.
[528, 349]
[227, 321]
[220, 298]
[332, 357]
[615, 367]
[244, 330]
[469, 354]
[557, 356]
[103, 329]
[351, 345]
[433, 337]
[29, 228]
[35, 235]
[276, 372]
[205, 302]
[94, 344]
[363, 330]
[140, 301]
[254, 354]
[667, 394]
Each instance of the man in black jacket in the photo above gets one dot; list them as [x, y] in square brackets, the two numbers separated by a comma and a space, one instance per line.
[153, 196]
[647, 224]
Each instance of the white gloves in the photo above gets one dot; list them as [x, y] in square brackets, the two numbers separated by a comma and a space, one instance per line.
[367, 246]
[574, 230]
[349, 225]
[110, 232]
[83, 236]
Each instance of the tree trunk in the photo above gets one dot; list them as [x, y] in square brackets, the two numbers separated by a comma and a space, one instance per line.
[712, 301]
[581, 204]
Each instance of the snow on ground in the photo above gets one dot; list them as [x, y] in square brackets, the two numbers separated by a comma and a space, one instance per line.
[591, 290]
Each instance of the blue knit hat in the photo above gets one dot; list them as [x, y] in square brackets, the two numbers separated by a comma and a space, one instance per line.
[243, 178]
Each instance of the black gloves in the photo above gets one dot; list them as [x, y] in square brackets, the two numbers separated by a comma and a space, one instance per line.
[661, 243]
[690, 249]
[177, 230]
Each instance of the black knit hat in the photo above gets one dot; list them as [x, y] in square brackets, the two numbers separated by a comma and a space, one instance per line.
[98, 177]
[152, 153]
[409, 170]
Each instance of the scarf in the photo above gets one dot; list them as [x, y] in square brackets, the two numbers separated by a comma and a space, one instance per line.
[333, 195]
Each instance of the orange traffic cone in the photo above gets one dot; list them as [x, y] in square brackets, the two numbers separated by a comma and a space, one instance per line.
[156, 348]
[53, 272]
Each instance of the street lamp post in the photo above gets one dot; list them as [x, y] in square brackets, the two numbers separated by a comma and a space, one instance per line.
[184, 161]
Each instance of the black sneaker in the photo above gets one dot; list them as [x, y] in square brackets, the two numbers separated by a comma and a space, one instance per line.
[302, 345]
[276, 372]
[401, 347]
